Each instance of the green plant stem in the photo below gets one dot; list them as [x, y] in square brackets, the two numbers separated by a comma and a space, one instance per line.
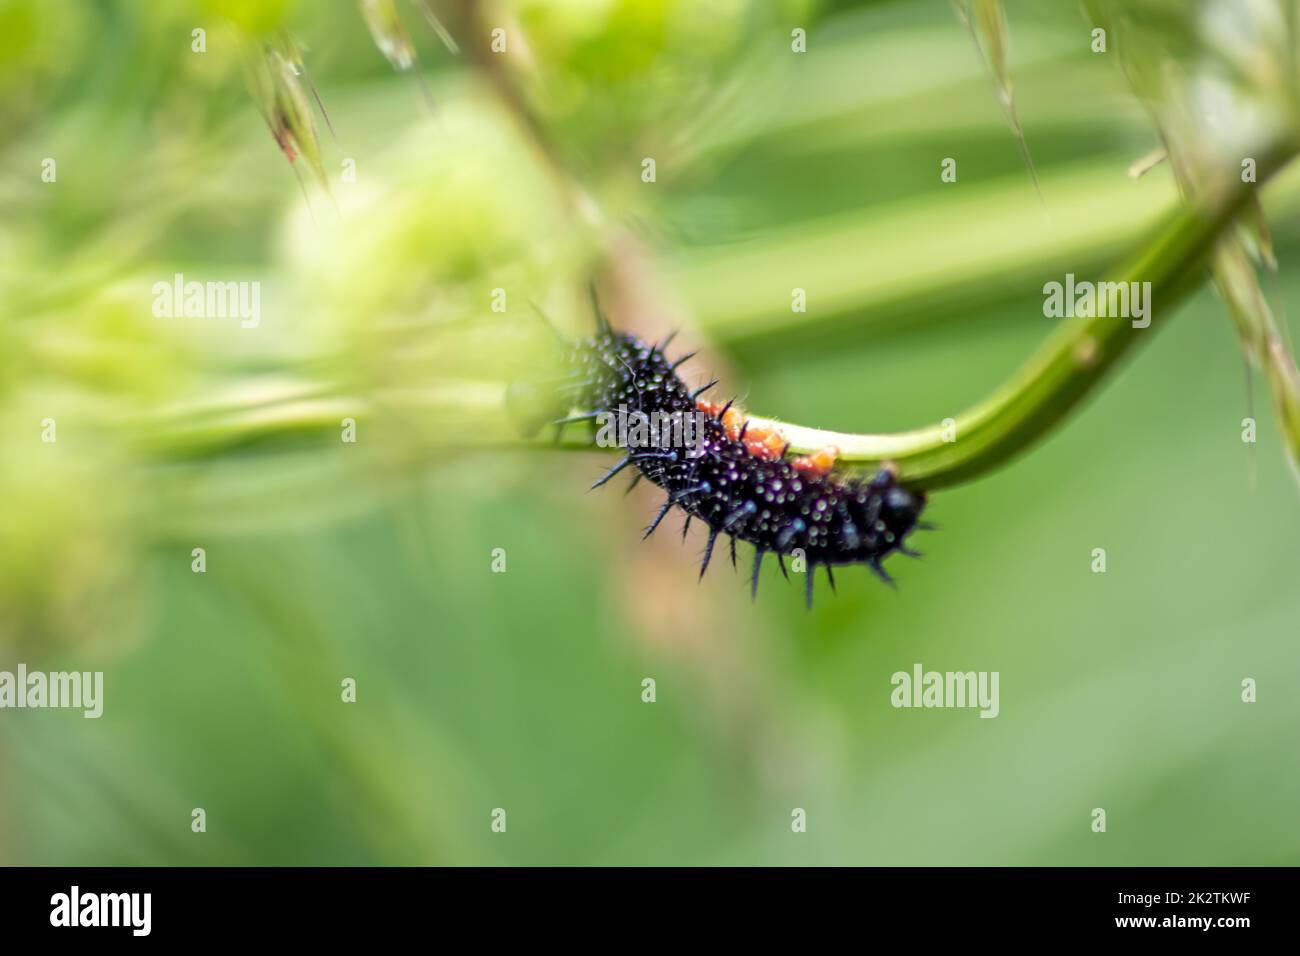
[1072, 361]
[1069, 364]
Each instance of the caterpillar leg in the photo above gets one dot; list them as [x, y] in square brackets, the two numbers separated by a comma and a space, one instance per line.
[702, 488]
[572, 419]
[758, 565]
[786, 534]
[880, 572]
[665, 342]
[702, 389]
[685, 358]
[559, 336]
[668, 505]
[744, 511]
[708, 552]
[602, 323]
[623, 463]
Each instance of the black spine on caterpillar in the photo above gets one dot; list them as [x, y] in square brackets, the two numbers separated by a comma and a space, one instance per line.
[716, 479]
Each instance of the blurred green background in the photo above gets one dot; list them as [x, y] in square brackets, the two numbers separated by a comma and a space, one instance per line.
[522, 690]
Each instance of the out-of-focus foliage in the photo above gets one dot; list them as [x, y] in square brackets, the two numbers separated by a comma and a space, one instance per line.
[276, 77]
[987, 24]
[1222, 88]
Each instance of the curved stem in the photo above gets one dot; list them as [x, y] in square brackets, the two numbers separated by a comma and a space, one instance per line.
[1058, 375]
[1069, 364]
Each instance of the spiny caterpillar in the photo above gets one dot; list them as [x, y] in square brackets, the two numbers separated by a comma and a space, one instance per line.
[732, 476]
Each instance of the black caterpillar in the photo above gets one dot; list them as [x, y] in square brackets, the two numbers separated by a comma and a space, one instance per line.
[726, 479]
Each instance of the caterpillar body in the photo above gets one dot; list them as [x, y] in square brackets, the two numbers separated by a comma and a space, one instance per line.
[735, 479]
